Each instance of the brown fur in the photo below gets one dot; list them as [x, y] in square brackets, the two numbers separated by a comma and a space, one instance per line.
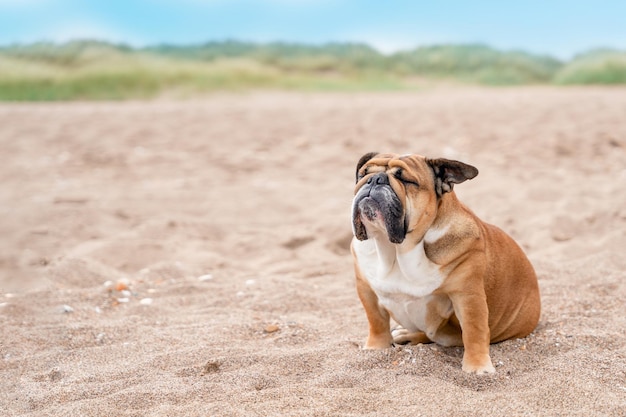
[489, 292]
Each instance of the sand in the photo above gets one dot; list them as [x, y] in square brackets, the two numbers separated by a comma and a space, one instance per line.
[190, 258]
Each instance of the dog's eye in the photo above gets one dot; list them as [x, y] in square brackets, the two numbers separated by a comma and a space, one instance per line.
[398, 175]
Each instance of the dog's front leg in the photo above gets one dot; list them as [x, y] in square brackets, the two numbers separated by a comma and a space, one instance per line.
[473, 314]
[378, 317]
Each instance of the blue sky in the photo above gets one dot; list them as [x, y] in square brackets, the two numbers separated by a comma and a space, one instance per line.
[557, 27]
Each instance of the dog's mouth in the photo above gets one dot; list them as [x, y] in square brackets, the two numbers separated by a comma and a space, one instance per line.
[369, 209]
[378, 208]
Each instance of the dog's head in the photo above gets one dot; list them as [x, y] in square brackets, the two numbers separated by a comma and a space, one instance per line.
[399, 195]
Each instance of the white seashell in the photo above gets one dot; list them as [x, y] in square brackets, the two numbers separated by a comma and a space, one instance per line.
[206, 277]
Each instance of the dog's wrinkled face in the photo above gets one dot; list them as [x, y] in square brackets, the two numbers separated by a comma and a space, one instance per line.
[398, 195]
[377, 205]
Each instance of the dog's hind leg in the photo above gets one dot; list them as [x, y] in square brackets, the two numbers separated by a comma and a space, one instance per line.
[402, 336]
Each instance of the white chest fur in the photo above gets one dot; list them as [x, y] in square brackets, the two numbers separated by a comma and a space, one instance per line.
[403, 281]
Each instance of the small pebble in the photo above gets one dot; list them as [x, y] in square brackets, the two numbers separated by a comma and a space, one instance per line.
[250, 282]
[145, 301]
[9, 295]
[121, 285]
[123, 300]
[271, 328]
[67, 309]
[3, 304]
[206, 277]
[126, 293]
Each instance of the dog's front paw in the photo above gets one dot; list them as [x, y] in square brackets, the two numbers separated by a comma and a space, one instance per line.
[378, 342]
[478, 365]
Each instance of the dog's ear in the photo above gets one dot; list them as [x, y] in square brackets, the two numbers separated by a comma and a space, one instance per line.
[363, 161]
[448, 172]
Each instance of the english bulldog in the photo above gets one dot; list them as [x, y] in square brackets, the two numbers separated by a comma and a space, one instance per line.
[424, 259]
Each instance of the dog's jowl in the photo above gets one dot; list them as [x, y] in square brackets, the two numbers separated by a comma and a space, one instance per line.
[424, 259]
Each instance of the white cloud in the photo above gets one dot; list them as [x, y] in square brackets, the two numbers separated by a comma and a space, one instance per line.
[400, 38]
[389, 45]
[386, 44]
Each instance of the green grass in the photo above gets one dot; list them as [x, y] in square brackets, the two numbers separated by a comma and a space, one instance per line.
[596, 67]
[90, 70]
[477, 64]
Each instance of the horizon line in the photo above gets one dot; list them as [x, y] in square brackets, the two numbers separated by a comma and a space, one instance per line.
[139, 46]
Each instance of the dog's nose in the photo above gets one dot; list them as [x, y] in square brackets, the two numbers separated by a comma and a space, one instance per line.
[379, 179]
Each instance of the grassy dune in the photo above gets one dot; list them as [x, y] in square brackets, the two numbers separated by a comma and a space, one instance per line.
[99, 70]
[595, 67]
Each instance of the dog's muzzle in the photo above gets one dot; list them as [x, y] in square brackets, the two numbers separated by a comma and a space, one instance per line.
[374, 201]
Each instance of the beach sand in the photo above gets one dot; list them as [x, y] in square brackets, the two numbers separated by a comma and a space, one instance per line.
[191, 258]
